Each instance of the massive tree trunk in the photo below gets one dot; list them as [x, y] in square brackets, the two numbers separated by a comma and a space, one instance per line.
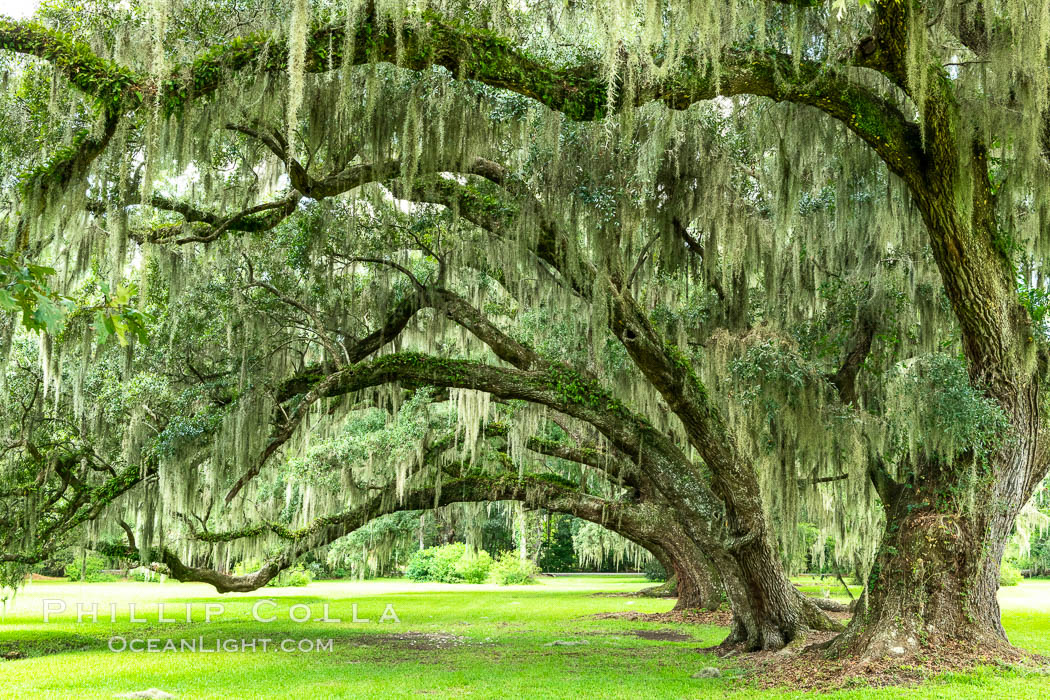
[691, 577]
[768, 611]
[690, 593]
[935, 579]
[936, 574]
[695, 587]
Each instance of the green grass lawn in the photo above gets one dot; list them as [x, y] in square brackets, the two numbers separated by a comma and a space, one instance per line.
[452, 641]
[827, 587]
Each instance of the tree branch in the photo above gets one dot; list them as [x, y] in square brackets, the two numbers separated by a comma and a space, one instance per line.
[845, 379]
[531, 490]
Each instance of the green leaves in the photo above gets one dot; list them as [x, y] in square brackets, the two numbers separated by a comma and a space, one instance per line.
[48, 315]
[25, 289]
[841, 7]
[935, 409]
[1037, 302]
[118, 317]
[7, 302]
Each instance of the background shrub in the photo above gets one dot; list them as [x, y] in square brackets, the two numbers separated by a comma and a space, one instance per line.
[93, 567]
[297, 576]
[436, 563]
[474, 567]
[511, 570]
[655, 571]
[450, 563]
[1009, 575]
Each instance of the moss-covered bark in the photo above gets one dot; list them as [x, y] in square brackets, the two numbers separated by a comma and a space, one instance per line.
[936, 575]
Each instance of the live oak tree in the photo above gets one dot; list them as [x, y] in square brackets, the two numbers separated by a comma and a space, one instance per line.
[691, 263]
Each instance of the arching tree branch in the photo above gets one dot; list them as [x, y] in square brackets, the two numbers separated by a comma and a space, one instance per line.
[533, 491]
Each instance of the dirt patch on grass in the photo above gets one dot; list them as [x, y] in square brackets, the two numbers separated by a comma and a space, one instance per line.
[662, 635]
[424, 641]
[635, 594]
[41, 577]
[810, 669]
[693, 617]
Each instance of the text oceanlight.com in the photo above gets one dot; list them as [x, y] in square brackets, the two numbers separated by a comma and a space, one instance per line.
[200, 645]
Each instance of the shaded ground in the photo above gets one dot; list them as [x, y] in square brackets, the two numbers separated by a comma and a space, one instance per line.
[721, 618]
[552, 640]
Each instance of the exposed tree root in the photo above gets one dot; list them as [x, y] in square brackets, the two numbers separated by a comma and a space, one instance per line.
[667, 589]
[806, 666]
[829, 605]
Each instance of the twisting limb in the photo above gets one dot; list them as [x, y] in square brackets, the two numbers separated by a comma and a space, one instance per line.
[616, 468]
[553, 385]
[845, 379]
[578, 91]
[385, 263]
[69, 164]
[315, 382]
[316, 385]
[396, 321]
[279, 209]
[886, 486]
[282, 434]
[257, 219]
[536, 491]
[823, 479]
[85, 504]
[335, 349]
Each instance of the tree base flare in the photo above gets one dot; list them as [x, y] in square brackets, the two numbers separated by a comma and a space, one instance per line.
[810, 667]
